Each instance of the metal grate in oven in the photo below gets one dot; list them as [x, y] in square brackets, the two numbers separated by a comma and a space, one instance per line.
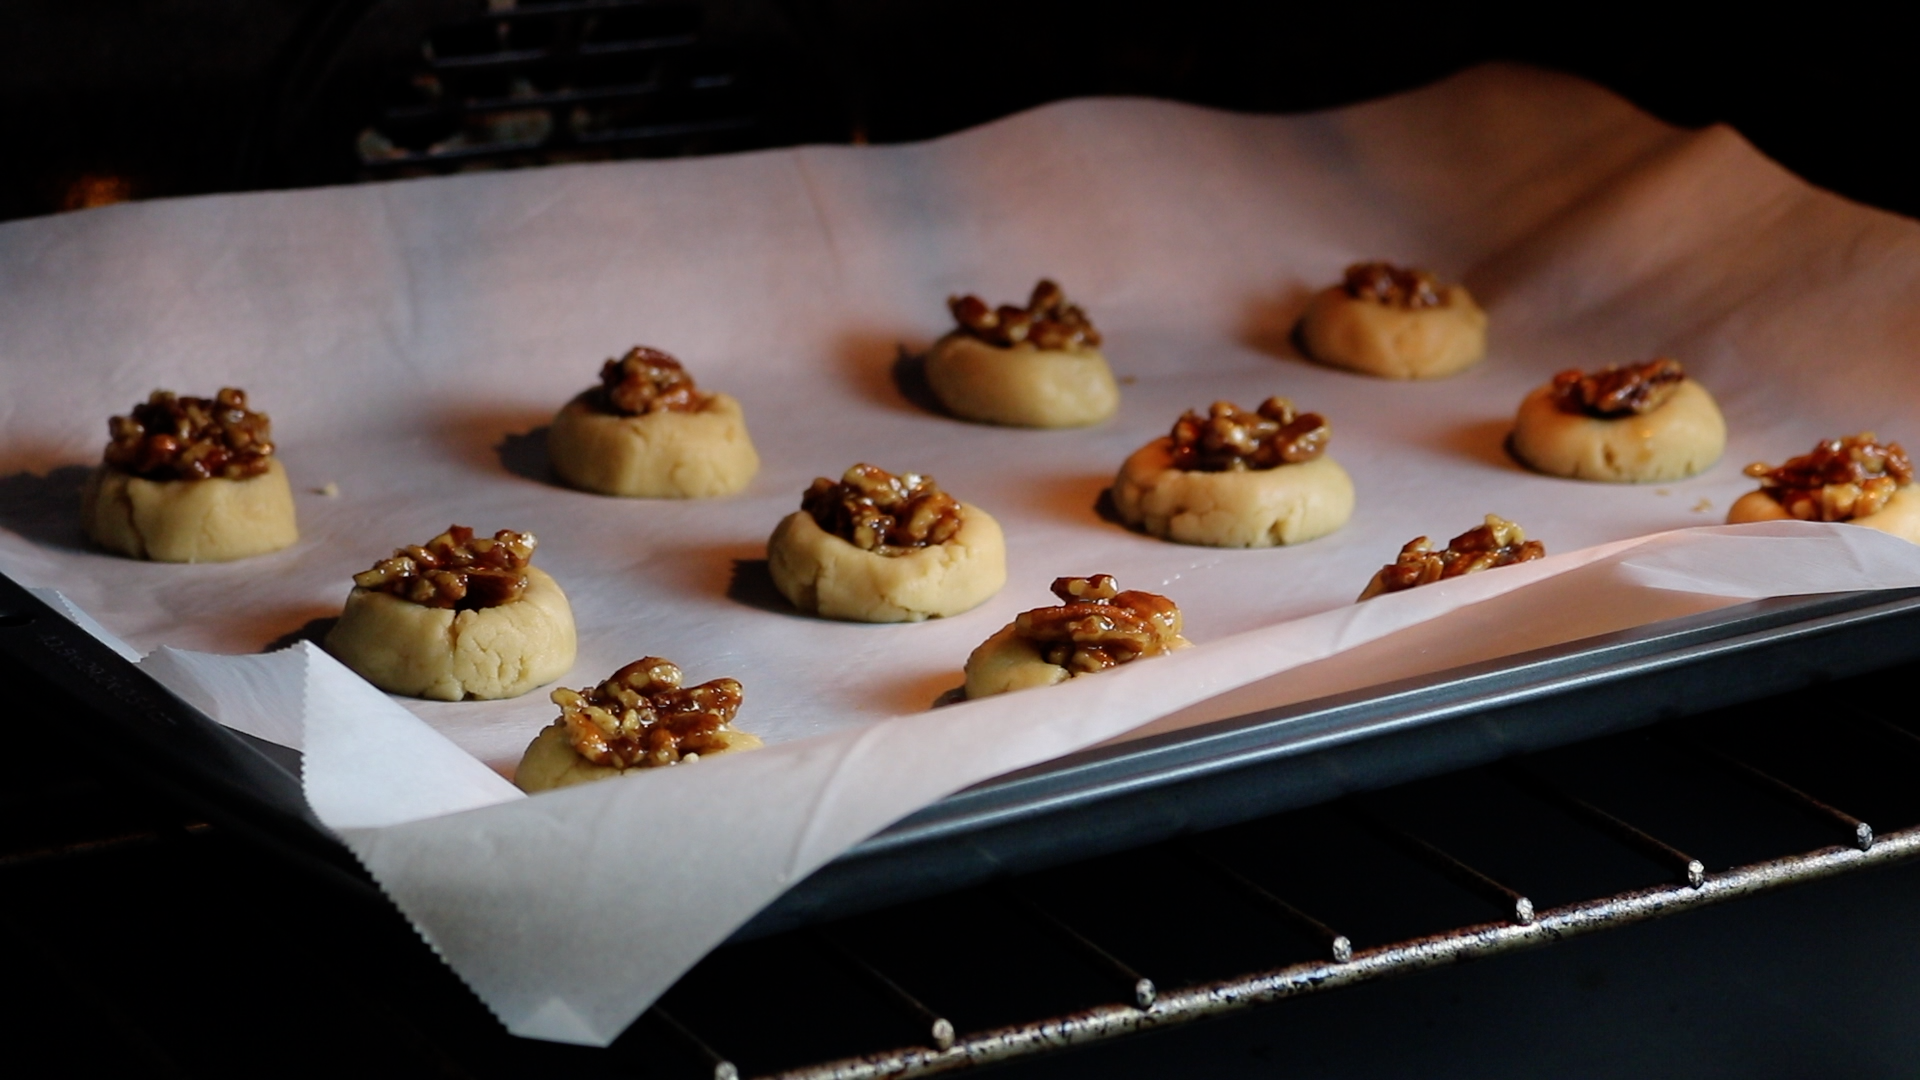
[1512, 856]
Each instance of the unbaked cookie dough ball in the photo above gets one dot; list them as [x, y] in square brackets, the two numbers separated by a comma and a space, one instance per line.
[1396, 323]
[1857, 479]
[1094, 627]
[882, 548]
[1038, 366]
[1495, 542]
[640, 717]
[190, 479]
[1637, 424]
[1232, 478]
[459, 617]
[647, 432]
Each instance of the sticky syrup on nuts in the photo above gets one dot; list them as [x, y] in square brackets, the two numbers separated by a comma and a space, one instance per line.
[642, 717]
[1394, 286]
[1047, 322]
[1096, 626]
[876, 511]
[1498, 542]
[645, 381]
[1840, 480]
[1227, 438]
[456, 570]
[1614, 392]
[190, 438]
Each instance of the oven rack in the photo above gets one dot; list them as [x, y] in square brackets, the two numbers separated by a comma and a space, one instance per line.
[1673, 809]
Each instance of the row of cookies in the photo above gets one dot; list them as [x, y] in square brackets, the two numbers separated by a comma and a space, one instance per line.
[648, 431]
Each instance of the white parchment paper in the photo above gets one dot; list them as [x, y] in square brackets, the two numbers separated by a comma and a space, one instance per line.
[412, 339]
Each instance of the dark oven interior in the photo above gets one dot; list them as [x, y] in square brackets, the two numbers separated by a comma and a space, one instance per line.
[151, 931]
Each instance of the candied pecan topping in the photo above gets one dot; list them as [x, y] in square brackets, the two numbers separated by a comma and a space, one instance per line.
[1047, 322]
[1097, 626]
[456, 570]
[1394, 286]
[873, 509]
[642, 717]
[1840, 480]
[1499, 542]
[1615, 392]
[645, 381]
[191, 438]
[1230, 439]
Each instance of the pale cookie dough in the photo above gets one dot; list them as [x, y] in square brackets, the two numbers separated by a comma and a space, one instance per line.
[1379, 331]
[551, 762]
[1495, 543]
[1006, 662]
[1286, 504]
[1681, 437]
[1857, 480]
[821, 574]
[187, 521]
[657, 455]
[448, 655]
[1094, 627]
[1900, 517]
[1021, 386]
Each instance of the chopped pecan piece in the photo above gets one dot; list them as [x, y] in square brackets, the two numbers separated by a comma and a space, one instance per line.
[645, 381]
[190, 438]
[1394, 286]
[1230, 439]
[1097, 626]
[1499, 542]
[1840, 480]
[642, 717]
[1047, 322]
[877, 511]
[1615, 392]
[456, 570]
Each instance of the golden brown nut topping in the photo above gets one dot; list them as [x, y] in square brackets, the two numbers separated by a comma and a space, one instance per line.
[190, 438]
[645, 381]
[1615, 392]
[642, 716]
[1230, 439]
[877, 511]
[455, 570]
[1394, 286]
[1499, 542]
[1097, 626]
[1047, 322]
[1840, 480]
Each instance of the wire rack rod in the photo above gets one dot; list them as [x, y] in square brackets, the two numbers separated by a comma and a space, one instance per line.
[1470, 942]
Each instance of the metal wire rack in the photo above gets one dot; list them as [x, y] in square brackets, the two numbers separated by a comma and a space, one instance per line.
[1513, 856]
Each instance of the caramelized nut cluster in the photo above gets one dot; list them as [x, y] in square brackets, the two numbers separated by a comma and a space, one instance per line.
[1047, 322]
[1499, 542]
[642, 717]
[1228, 439]
[1840, 480]
[191, 438]
[1394, 286]
[645, 381]
[456, 570]
[1097, 626]
[874, 510]
[1615, 392]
